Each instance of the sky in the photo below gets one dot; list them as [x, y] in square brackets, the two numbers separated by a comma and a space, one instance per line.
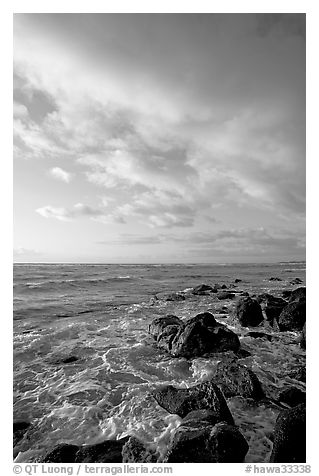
[159, 138]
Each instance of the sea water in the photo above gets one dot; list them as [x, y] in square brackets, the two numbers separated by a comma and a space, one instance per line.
[84, 363]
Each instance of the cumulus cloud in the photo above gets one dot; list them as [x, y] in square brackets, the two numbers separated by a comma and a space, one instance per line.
[183, 119]
[60, 174]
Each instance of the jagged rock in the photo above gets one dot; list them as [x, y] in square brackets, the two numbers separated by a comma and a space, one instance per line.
[275, 279]
[205, 396]
[292, 396]
[272, 305]
[203, 443]
[203, 334]
[164, 340]
[259, 335]
[202, 289]
[293, 316]
[62, 453]
[244, 293]
[248, 312]
[298, 295]
[286, 293]
[19, 429]
[135, 452]
[234, 379]
[158, 324]
[290, 436]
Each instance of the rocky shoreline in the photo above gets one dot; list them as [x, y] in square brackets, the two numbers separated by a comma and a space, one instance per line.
[208, 432]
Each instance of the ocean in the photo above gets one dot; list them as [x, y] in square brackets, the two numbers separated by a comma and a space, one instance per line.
[84, 363]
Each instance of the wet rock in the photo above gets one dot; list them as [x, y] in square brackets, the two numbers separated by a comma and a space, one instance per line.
[259, 335]
[290, 436]
[243, 353]
[221, 295]
[272, 305]
[165, 338]
[293, 316]
[292, 396]
[158, 325]
[109, 451]
[206, 416]
[134, 451]
[275, 279]
[286, 293]
[234, 379]
[298, 295]
[303, 337]
[201, 335]
[296, 281]
[205, 396]
[202, 289]
[62, 453]
[203, 443]
[19, 429]
[248, 312]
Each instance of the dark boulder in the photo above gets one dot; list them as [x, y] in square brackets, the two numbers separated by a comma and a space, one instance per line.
[62, 453]
[298, 295]
[237, 280]
[293, 316]
[203, 443]
[234, 379]
[275, 279]
[109, 451]
[165, 338]
[222, 295]
[248, 312]
[244, 293]
[272, 305]
[292, 396]
[202, 289]
[19, 429]
[134, 451]
[286, 293]
[201, 335]
[290, 436]
[158, 324]
[205, 396]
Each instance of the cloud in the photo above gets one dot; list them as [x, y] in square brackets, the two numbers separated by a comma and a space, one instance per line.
[19, 110]
[182, 119]
[79, 210]
[60, 174]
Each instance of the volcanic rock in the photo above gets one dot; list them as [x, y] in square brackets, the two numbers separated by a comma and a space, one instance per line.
[203, 334]
[205, 396]
[290, 436]
[248, 312]
[234, 379]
